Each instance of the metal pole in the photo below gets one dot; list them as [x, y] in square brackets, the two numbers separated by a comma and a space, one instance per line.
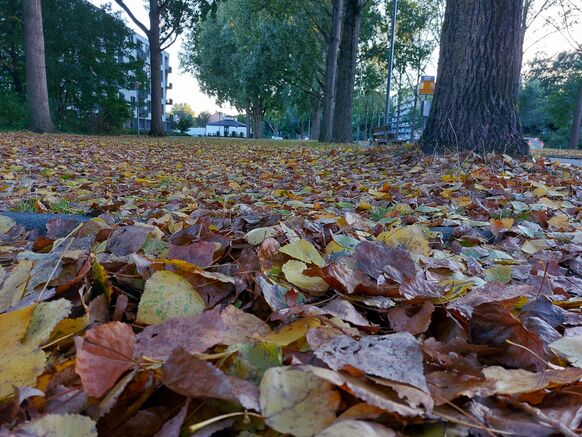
[390, 67]
[137, 106]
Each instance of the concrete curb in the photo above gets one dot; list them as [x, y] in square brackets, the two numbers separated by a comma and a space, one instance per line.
[35, 221]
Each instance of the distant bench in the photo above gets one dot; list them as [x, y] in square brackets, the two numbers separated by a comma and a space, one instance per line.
[379, 136]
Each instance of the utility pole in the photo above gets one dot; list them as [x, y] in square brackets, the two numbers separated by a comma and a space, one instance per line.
[390, 67]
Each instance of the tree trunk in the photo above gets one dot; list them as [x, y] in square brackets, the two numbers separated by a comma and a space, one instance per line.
[248, 122]
[157, 127]
[576, 122]
[316, 121]
[476, 96]
[36, 87]
[258, 121]
[329, 92]
[346, 72]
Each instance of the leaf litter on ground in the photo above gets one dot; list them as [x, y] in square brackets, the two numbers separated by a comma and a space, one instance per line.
[255, 288]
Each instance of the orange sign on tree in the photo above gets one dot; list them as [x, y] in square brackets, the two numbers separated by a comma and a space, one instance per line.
[426, 86]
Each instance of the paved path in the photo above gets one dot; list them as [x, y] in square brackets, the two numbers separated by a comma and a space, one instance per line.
[577, 162]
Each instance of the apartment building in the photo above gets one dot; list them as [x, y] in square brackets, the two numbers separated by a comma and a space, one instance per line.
[140, 97]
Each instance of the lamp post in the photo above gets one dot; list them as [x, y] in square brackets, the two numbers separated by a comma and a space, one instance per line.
[137, 107]
[390, 67]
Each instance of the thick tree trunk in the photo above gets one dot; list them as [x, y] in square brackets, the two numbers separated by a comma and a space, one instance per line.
[329, 92]
[157, 128]
[475, 102]
[576, 122]
[346, 72]
[36, 87]
[258, 121]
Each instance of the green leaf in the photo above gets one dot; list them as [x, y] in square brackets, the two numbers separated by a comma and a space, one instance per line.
[168, 295]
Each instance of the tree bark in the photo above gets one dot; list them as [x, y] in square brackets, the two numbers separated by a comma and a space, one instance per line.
[316, 121]
[258, 121]
[576, 122]
[329, 93]
[346, 72]
[36, 86]
[248, 122]
[476, 96]
[157, 128]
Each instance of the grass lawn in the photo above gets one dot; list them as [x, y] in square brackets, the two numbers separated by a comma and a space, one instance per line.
[281, 285]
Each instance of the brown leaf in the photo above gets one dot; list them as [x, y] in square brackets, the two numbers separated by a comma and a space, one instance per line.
[127, 239]
[492, 324]
[103, 355]
[345, 275]
[194, 334]
[201, 253]
[189, 376]
[377, 259]
[396, 357]
[411, 318]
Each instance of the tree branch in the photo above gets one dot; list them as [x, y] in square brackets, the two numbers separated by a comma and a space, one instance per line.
[133, 17]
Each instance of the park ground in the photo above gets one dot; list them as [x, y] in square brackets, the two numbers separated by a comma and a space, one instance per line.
[291, 287]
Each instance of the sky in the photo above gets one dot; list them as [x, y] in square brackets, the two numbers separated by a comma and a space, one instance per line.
[541, 38]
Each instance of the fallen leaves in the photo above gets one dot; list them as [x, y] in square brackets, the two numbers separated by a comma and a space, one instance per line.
[167, 295]
[294, 289]
[103, 355]
[297, 402]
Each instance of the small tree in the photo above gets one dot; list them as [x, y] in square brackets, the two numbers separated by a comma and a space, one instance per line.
[185, 122]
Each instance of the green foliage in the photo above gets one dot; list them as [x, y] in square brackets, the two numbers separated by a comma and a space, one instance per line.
[548, 96]
[185, 122]
[201, 119]
[13, 114]
[83, 46]
[249, 50]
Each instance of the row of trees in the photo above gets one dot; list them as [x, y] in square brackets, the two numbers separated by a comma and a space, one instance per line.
[308, 60]
[77, 72]
[329, 57]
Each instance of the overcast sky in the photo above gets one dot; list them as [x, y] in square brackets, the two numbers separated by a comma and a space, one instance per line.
[540, 38]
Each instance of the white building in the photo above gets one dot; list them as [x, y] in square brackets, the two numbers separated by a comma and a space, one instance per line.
[226, 128]
[142, 96]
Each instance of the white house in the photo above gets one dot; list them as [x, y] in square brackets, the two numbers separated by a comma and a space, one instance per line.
[143, 95]
[226, 128]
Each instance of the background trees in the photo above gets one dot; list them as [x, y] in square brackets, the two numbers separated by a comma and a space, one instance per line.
[244, 56]
[84, 75]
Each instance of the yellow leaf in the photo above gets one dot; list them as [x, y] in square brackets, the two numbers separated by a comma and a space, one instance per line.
[6, 223]
[56, 425]
[294, 273]
[364, 206]
[559, 222]
[304, 251]
[411, 237]
[290, 333]
[168, 295]
[15, 285]
[45, 317]
[297, 402]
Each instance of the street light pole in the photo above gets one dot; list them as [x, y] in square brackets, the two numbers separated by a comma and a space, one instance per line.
[137, 106]
[390, 67]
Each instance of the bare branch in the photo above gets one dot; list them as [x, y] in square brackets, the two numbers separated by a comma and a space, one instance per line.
[133, 17]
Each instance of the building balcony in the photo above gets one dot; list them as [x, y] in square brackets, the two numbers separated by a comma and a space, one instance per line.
[169, 101]
[170, 86]
[169, 70]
